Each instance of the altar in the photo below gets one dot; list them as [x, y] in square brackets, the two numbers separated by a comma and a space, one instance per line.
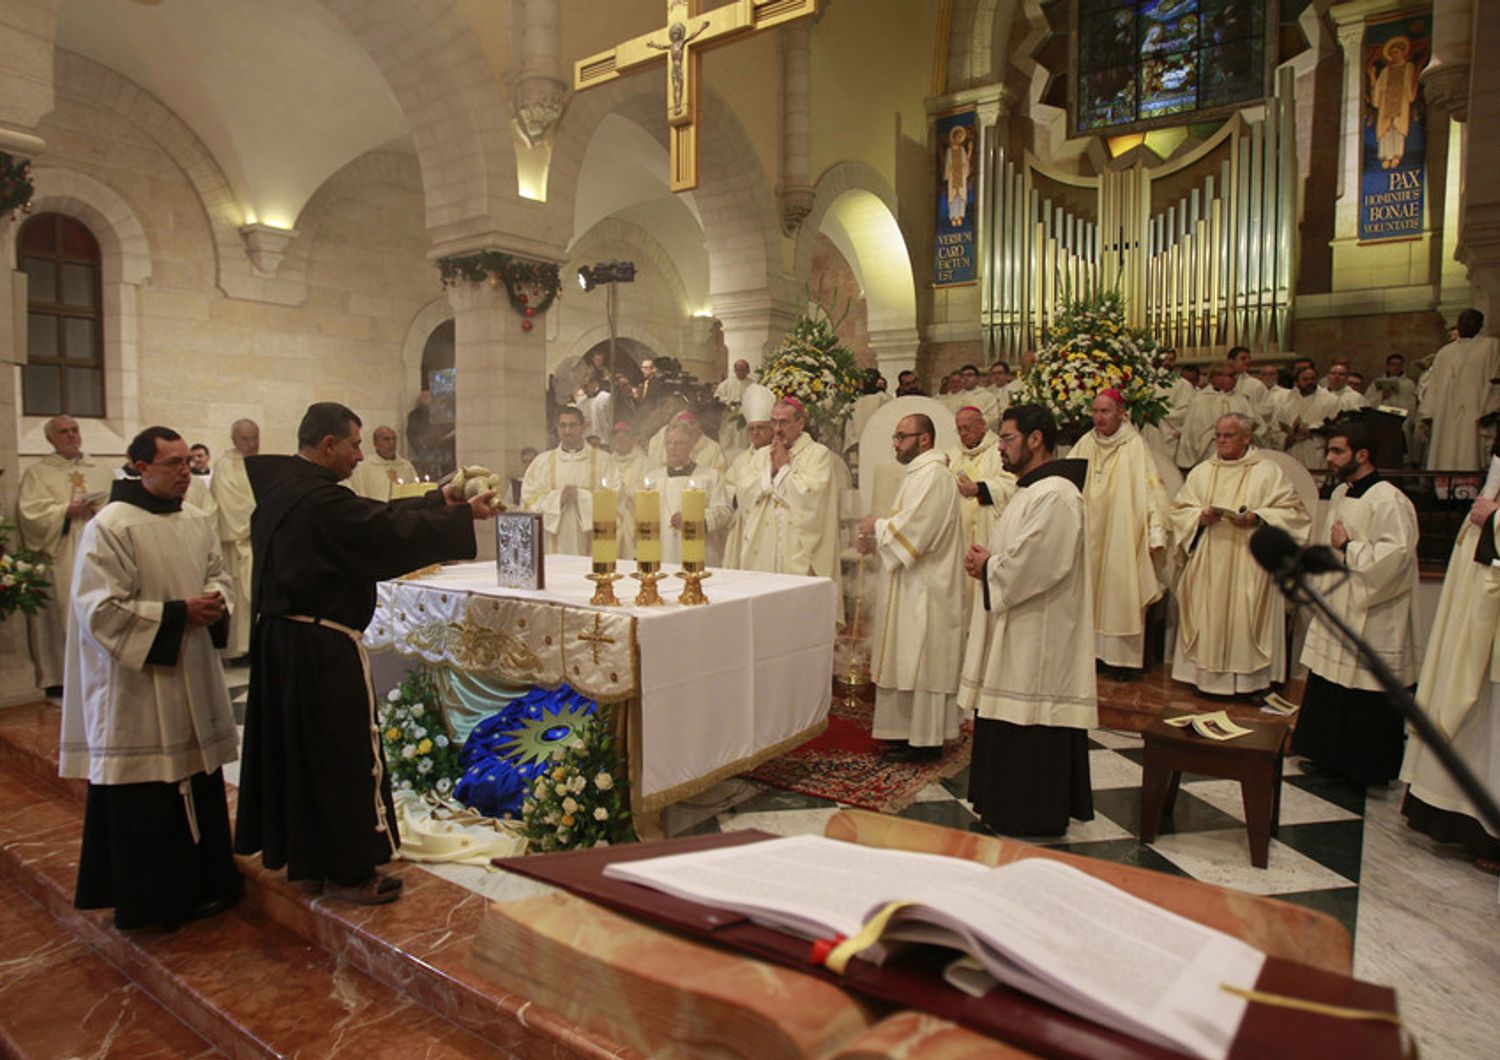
[707, 692]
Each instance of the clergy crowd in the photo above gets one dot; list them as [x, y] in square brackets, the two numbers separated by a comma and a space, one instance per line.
[1004, 574]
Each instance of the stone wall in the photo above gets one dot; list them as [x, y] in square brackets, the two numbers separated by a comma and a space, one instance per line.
[833, 275]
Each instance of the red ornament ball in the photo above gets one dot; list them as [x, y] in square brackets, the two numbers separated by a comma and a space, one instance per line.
[527, 325]
[521, 298]
[530, 311]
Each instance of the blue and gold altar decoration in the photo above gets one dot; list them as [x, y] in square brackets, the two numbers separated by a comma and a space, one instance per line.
[507, 751]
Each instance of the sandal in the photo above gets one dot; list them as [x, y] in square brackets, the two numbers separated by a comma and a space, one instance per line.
[377, 890]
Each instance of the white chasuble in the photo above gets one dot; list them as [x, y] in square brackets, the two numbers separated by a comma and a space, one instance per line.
[1377, 598]
[717, 512]
[740, 483]
[126, 720]
[1196, 442]
[628, 475]
[47, 489]
[1454, 395]
[375, 476]
[916, 641]
[1296, 411]
[1127, 519]
[982, 463]
[791, 518]
[1030, 653]
[567, 524]
[235, 503]
[1232, 619]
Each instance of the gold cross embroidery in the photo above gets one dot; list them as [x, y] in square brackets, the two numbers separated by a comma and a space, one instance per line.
[76, 480]
[595, 637]
[681, 42]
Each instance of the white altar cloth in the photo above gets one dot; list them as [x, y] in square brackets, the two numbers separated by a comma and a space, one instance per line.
[721, 687]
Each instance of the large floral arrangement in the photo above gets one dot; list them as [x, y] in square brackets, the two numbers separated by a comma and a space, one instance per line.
[419, 753]
[580, 801]
[23, 576]
[1091, 349]
[811, 365]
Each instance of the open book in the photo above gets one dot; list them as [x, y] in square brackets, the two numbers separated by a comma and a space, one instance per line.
[1216, 725]
[1036, 925]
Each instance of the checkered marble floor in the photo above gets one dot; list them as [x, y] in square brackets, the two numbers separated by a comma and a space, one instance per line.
[1314, 858]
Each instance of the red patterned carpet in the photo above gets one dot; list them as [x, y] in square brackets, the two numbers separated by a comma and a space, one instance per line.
[846, 764]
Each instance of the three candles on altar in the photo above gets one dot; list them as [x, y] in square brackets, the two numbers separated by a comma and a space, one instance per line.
[648, 529]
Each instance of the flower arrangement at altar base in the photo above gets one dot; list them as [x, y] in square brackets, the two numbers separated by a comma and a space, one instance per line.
[582, 801]
[420, 755]
[23, 576]
[1089, 349]
[811, 365]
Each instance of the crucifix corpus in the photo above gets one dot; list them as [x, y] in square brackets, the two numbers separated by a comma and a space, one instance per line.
[681, 42]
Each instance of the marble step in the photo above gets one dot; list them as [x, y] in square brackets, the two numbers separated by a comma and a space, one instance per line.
[58, 998]
[417, 948]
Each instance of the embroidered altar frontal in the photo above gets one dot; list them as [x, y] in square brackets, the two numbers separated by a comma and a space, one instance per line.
[712, 691]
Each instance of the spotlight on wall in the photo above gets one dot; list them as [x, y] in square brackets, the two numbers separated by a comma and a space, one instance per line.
[590, 277]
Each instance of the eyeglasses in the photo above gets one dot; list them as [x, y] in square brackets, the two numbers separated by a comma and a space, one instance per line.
[901, 436]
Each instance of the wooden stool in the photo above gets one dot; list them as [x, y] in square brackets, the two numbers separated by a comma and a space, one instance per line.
[1254, 760]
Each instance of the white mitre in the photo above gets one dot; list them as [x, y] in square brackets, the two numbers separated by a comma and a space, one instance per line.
[756, 403]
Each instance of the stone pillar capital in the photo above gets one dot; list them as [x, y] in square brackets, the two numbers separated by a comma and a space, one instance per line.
[1446, 87]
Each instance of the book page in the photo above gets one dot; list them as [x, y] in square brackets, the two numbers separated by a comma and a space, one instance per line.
[812, 886]
[1153, 973]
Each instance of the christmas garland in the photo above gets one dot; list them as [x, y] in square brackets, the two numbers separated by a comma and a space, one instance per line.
[530, 285]
[15, 185]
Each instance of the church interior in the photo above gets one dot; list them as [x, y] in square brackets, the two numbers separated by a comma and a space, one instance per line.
[219, 211]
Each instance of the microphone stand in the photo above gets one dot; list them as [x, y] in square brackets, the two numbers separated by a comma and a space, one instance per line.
[1294, 584]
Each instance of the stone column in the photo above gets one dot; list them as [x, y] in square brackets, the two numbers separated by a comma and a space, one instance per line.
[1445, 80]
[501, 371]
[796, 191]
[538, 91]
[1346, 212]
[754, 321]
[1479, 232]
[895, 351]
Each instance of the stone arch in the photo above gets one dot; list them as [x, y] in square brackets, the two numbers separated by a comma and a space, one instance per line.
[89, 82]
[422, 325]
[635, 334]
[125, 264]
[867, 206]
[460, 125]
[734, 200]
[642, 246]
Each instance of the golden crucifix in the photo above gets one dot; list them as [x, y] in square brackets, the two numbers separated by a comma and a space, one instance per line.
[681, 42]
[596, 638]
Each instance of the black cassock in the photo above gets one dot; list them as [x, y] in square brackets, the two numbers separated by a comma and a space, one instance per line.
[314, 794]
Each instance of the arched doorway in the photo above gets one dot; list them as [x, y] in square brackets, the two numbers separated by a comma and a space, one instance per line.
[430, 427]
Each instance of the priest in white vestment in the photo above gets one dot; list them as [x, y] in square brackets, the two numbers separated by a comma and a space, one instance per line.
[1231, 635]
[1127, 519]
[1457, 688]
[983, 483]
[377, 475]
[1455, 396]
[1349, 399]
[706, 451]
[916, 642]
[1028, 667]
[59, 495]
[728, 394]
[1204, 410]
[740, 478]
[559, 484]
[1247, 385]
[1347, 726]
[678, 475]
[146, 717]
[789, 503]
[629, 473]
[234, 503]
[1299, 414]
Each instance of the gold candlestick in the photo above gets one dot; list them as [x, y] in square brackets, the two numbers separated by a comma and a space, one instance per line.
[692, 586]
[648, 575]
[604, 588]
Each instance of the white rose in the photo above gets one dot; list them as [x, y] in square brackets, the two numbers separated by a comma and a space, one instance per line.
[7, 581]
[440, 740]
[541, 788]
[418, 732]
[417, 710]
[561, 789]
[424, 766]
[406, 785]
[570, 805]
[600, 813]
[604, 782]
[443, 785]
[41, 568]
[394, 695]
[577, 783]
[409, 751]
[22, 566]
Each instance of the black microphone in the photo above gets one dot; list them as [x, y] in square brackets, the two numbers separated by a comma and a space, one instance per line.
[1278, 552]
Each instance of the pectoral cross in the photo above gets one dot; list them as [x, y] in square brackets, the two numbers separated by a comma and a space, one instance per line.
[681, 42]
[596, 638]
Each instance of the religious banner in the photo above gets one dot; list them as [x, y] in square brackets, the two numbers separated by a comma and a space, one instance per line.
[1393, 129]
[957, 165]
